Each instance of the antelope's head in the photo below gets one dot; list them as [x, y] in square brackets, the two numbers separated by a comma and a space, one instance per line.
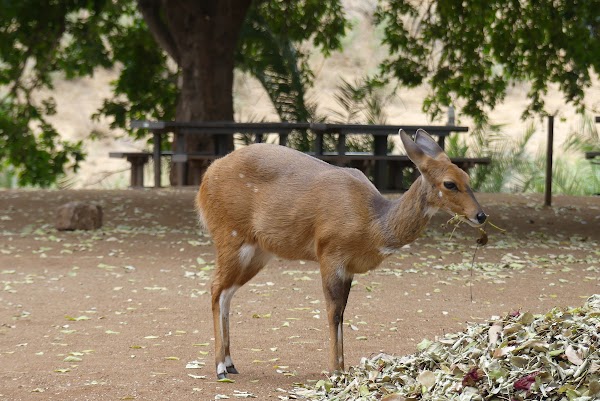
[449, 188]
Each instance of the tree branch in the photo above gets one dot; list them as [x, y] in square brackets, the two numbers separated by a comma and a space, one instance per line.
[150, 10]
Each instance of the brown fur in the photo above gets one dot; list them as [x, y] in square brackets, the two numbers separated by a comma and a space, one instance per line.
[275, 200]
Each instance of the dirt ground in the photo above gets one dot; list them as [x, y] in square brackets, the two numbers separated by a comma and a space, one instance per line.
[123, 313]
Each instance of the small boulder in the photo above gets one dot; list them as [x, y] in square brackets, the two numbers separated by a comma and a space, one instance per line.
[78, 216]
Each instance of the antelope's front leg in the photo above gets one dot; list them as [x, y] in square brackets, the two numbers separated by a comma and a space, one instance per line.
[336, 287]
[220, 307]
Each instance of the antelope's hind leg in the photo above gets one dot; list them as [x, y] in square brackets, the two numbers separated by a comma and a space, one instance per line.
[233, 270]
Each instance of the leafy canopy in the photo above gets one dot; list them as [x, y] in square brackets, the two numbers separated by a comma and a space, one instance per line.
[472, 50]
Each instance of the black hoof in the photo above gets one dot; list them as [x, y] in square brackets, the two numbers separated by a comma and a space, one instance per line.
[232, 369]
[221, 375]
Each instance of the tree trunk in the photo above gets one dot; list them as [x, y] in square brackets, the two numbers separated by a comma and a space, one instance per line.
[205, 35]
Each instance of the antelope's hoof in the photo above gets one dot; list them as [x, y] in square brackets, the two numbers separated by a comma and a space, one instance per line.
[232, 369]
[221, 376]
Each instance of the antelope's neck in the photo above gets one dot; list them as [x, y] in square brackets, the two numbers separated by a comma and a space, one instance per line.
[408, 216]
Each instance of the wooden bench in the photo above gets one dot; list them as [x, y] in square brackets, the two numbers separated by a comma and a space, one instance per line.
[137, 162]
[385, 170]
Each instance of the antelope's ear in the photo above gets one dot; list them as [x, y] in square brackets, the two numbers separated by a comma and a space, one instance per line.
[428, 145]
[413, 151]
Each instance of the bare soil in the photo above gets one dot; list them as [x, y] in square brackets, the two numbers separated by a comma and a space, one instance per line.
[118, 313]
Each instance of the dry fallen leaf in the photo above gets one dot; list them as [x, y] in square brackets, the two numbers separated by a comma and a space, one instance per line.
[573, 356]
[427, 379]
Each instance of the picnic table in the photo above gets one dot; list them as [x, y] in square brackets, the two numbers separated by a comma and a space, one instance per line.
[386, 169]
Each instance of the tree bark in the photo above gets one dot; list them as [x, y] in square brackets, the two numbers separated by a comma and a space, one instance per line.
[151, 11]
[205, 34]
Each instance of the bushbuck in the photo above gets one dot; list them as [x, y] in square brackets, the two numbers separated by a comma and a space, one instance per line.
[264, 200]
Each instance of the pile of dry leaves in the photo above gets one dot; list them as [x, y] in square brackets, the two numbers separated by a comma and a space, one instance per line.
[555, 356]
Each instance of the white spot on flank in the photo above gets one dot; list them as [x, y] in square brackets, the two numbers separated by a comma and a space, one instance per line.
[341, 272]
[234, 233]
[242, 175]
[246, 254]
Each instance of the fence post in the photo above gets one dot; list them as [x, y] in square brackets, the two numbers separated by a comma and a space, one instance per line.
[548, 189]
[156, 155]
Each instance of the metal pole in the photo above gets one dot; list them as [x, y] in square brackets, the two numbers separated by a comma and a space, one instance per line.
[156, 158]
[548, 193]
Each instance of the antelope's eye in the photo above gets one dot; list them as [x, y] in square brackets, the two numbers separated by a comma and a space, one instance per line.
[450, 185]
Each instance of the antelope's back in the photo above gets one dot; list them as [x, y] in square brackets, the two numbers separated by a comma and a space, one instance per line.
[260, 177]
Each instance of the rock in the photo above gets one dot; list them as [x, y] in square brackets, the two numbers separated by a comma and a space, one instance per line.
[78, 216]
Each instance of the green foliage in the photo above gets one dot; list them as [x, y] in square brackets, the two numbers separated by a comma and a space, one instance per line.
[8, 178]
[586, 138]
[277, 64]
[32, 47]
[471, 50]
[146, 88]
[513, 169]
[569, 176]
[32, 145]
[361, 102]
[509, 159]
[271, 48]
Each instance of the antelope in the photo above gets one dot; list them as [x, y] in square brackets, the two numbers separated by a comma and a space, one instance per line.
[264, 200]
